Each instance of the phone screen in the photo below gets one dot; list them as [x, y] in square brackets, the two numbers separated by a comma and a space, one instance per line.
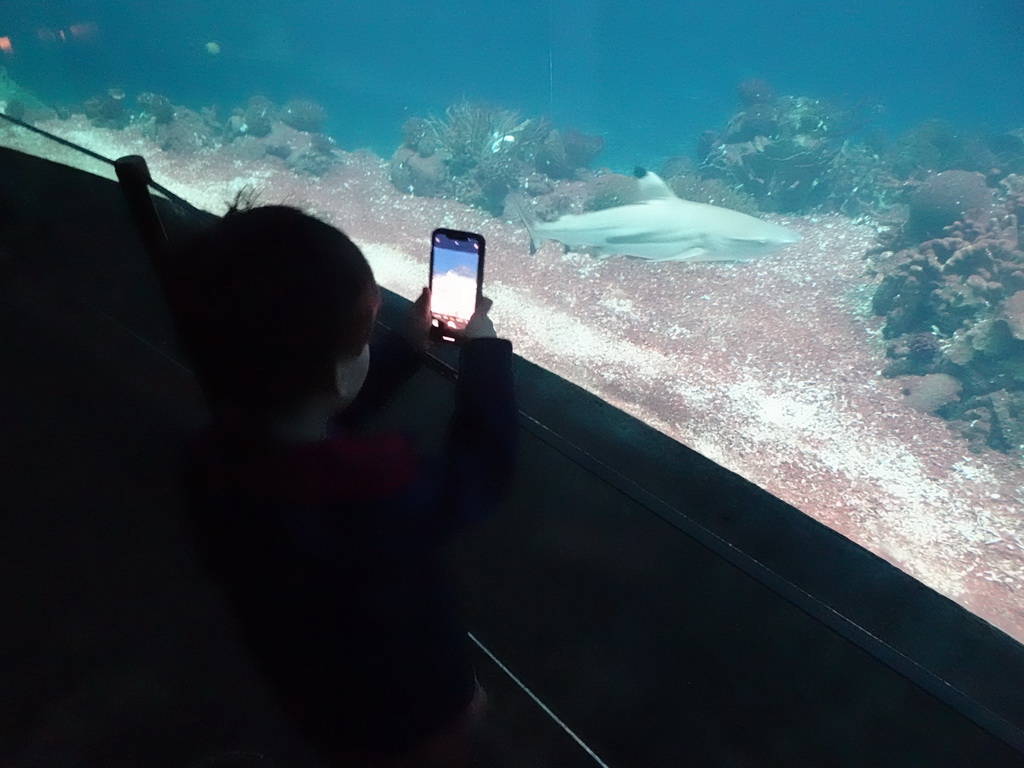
[456, 272]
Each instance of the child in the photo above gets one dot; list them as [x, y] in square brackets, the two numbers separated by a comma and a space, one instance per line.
[324, 539]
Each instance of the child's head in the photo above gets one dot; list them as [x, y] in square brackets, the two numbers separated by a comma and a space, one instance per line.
[279, 310]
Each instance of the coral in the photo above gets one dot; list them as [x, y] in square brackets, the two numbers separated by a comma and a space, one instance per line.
[777, 149]
[755, 91]
[418, 174]
[561, 156]
[1013, 315]
[954, 305]
[1007, 152]
[945, 198]
[471, 133]
[796, 154]
[176, 128]
[861, 182]
[418, 135]
[158, 107]
[912, 353]
[1012, 193]
[994, 420]
[478, 153]
[188, 132]
[935, 146]
[248, 148]
[483, 149]
[581, 149]
[310, 162]
[304, 115]
[258, 117]
[756, 120]
[314, 158]
[107, 110]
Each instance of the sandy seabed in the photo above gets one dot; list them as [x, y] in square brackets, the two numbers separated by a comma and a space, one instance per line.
[771, 368]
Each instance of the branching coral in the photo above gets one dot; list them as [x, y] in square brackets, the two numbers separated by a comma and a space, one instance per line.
[477, 153]
[473, 134]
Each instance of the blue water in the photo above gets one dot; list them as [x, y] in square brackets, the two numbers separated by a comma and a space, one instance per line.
[648, 75]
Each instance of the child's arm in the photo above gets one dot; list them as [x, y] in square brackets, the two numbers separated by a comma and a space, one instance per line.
[483, 435]
[466, 483]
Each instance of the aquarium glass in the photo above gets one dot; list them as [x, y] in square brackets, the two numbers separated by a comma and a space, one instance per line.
[787, 234]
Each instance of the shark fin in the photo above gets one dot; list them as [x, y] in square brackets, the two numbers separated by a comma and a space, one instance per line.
[653, 187]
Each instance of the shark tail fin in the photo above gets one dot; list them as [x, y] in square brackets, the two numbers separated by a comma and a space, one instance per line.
[534, 241]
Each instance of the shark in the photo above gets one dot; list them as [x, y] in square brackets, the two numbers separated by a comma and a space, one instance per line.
[664, 227]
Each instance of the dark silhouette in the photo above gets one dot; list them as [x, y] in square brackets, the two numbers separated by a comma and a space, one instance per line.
[325, 538]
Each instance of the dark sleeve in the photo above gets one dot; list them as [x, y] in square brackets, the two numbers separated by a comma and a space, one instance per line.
[393, 361]
[468, 480]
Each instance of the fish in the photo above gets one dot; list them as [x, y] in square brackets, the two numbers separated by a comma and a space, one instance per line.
[663, 227]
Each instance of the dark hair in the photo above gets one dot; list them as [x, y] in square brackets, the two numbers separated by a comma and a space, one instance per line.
[273, 298]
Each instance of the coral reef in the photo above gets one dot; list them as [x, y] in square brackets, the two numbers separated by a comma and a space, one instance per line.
[796, 154]
[944, 199]
[781, 149]
[188, 133]
[562, 155]
[20, 103]
[954, 304]
[258, 117]
[756, 91]
[478, 153]
[158, 107]
[935, 145]
[304, 115]
[108, 110]
[861, 182]
[257, 131]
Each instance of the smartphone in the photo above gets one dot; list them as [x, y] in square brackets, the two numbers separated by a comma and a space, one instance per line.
[456, 281]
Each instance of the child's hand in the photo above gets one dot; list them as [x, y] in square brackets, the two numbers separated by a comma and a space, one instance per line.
[417, 325]
[480, 325]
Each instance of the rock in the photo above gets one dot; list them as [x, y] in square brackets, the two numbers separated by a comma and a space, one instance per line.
[929, 393]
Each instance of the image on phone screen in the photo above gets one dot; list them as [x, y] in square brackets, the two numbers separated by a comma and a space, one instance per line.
[454, 279]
